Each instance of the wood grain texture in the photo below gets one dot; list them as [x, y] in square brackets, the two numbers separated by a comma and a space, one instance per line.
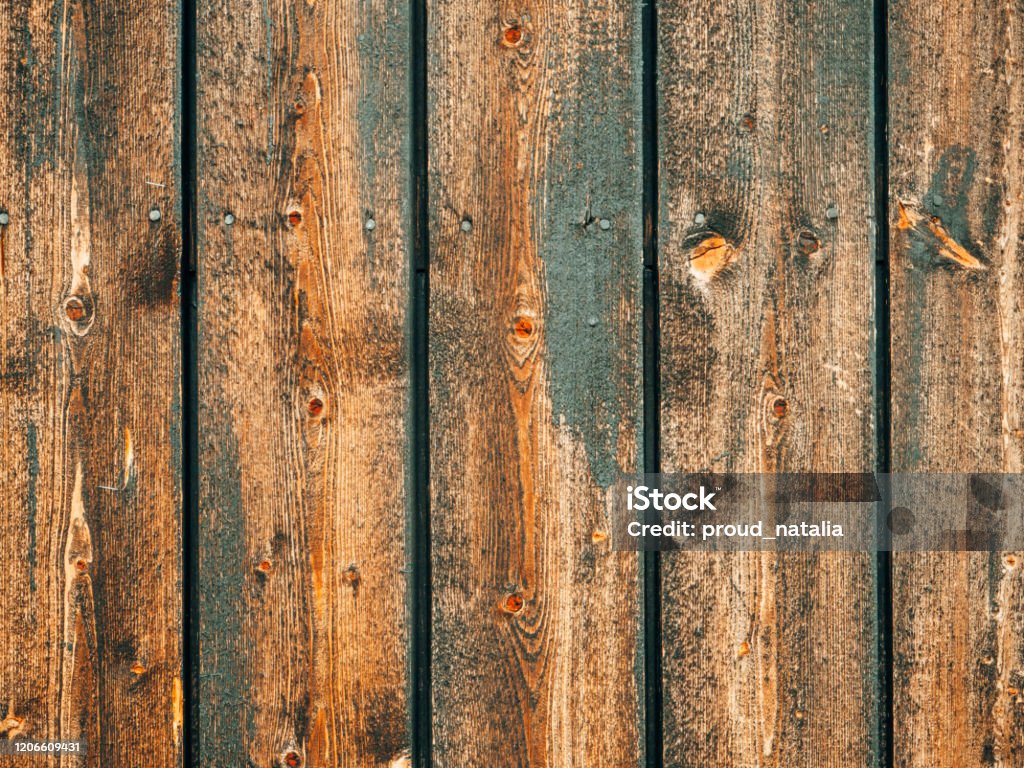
[90, 615]
[303, 377]
[766, 254]
[535, 233]
[956, 119]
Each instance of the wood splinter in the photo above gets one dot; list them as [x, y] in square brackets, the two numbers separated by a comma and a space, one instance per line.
[948, 247]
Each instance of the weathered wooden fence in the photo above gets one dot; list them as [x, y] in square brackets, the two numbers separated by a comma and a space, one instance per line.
[327, 325]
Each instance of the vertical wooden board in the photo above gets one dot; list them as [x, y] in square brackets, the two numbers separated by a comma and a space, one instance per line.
[957, 276]
[90, 617]
[303, 287]
[535, 234]
[767, 259]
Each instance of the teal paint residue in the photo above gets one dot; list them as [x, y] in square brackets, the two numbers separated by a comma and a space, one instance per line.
[949, 194]
[593, 271]
[223, 720]
[32, 455]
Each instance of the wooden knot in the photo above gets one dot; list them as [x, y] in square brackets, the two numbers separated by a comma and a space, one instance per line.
[808, 244]
[78, 311]
[710, 257]
[780, 407]
[512, 603]
[512, 36]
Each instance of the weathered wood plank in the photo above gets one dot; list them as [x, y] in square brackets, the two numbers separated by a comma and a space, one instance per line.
[766, 253]
[90, 616]
[957, 276]
[535, 318]
[303, 288]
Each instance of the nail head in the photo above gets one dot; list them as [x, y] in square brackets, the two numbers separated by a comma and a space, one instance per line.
[605, 224]
[5, 218]
[371, 225]
[229, 219]
[154, 214]
[832, 212]
[467, 225]
[699, 219]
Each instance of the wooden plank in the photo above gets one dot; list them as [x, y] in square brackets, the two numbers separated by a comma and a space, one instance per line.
[766, 253]
[303, 288]
[90, 616]
[535, 235]
[957, 277]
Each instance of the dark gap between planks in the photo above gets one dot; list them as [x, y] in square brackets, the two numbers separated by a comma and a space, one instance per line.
[883, 379]
[420, 596]
[653, 694]
[189, 391]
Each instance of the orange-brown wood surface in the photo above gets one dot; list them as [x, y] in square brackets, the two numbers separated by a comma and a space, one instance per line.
[90, 408]
[956, 92]
[417, 240]
[767, 272]
[534, 381]
[302, 292]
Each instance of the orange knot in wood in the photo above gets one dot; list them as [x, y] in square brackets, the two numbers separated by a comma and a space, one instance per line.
[1010, 560]
[264, 566]
[513, 603]
[292, 759]
[598, 536]
[522, 327]
[512, 36]
[747, 122]
[74, 308]
[294, 217]
[743, 650]
[780, 408]
[81, 565]
[315, 406]
[137, 668]
[710, 256]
